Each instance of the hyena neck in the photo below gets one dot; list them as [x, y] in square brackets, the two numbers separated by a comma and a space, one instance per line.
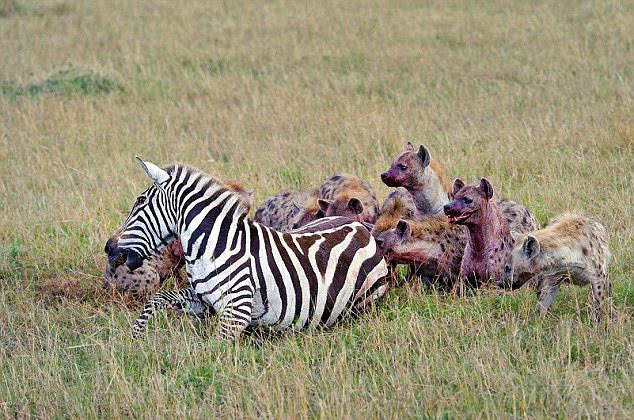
[486, 236]
[429, 195]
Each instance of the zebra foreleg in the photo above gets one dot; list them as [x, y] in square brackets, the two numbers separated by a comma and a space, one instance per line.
[184, 300]
[235, 315]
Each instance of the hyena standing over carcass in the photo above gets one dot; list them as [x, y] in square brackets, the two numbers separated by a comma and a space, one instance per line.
[348, 196]
[573, 249]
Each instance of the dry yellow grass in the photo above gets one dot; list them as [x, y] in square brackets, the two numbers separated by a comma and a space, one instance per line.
[537, 96]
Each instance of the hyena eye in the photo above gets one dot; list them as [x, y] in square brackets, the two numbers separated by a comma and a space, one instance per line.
[467, 200]
[402, 167]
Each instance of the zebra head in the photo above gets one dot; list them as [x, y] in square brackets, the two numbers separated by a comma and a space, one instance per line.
[151, 223]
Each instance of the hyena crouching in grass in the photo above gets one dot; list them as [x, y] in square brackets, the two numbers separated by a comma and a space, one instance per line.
[348, 196]
[571, 249]
[431, 246]
[489, 240]
[288, 210]
[160, 266]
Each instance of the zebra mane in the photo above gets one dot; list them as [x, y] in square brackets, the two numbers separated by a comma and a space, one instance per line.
[207, 182]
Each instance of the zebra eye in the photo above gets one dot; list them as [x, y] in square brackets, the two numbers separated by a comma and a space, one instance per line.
[140, 200]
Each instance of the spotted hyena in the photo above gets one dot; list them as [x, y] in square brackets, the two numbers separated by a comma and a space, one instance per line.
[489, 240]
[157, 268]
[148, 278]
[573, 249]
[430, 246]
[422, 176]
[426, 181]
[289, 210]
[348, 196]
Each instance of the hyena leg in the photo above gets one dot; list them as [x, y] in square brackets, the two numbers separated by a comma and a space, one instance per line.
[545, 296]
[601, 298]
[184, 299]
[235, 315]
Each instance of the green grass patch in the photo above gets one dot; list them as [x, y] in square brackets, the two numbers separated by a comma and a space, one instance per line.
[65, 83]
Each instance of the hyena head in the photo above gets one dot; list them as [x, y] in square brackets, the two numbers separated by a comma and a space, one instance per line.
[387, 239]
[409, 170]
[469, 203]
[343, 206]
[521, 264]
[151, 224]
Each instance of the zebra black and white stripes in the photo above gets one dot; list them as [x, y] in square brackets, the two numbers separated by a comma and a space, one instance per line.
[248, 273]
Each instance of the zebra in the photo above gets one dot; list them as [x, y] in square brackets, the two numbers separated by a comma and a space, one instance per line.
[247, 273]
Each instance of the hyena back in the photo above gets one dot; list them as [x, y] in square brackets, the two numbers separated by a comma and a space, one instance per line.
[348, 196]
[288, 210]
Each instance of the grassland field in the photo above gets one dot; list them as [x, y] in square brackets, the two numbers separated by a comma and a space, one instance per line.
[537, 96]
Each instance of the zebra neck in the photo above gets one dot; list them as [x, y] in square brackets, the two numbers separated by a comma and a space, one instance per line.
[215, 236]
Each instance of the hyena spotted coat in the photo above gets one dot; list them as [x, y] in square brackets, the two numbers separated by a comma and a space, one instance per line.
[348, 196]
[289, 209]
[571, 249]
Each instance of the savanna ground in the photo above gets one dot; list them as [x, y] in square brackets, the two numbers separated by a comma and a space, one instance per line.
[537, 96]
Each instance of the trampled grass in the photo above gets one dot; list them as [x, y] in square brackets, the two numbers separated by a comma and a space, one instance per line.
[537, 96]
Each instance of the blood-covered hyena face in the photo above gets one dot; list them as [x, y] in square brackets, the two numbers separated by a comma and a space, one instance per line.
[522, 263]
[408, 170]
[467, 202]
[386, 240]
[351, 208]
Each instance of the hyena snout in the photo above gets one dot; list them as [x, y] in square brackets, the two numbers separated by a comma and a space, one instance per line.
[389, 180]
[118, 256]
[111, 245]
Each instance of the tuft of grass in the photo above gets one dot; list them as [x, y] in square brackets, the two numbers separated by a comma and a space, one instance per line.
[65, 82]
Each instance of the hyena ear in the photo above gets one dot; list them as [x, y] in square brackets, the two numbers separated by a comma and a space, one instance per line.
[424, 156]
[531, 247]
[355, 205]
[486, 187]
[155, 173]
[516, 236]
[324, 204]
[458, 184]
[409, 147]
[403, 230]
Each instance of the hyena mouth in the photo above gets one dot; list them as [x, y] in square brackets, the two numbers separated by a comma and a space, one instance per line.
[459, 219]
[118, 261]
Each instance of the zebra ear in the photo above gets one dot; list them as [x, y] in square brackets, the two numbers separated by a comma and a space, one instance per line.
[155, 173]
